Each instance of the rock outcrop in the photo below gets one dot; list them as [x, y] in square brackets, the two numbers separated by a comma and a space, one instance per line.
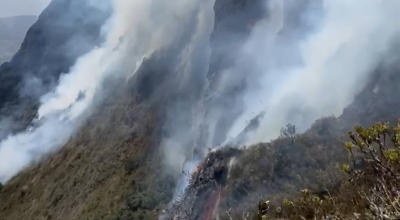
[201, 197]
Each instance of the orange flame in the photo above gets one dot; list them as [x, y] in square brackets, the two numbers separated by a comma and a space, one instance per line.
[211, 205]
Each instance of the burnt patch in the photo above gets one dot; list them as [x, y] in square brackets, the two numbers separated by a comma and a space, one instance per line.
[202, 194]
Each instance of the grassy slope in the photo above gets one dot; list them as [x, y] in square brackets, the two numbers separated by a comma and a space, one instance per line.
[111, 169]
[280, 169]
[94, 175]
[273, 171]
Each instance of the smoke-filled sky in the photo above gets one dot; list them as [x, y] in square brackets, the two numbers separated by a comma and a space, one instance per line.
[22, 7]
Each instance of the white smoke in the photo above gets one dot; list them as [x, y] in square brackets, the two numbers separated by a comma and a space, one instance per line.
[351, 40]
[136, 30]
[194, 60]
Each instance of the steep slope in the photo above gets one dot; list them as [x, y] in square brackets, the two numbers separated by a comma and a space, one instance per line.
[229, 183]
[236, 179]
[50, 47]
[95, 172]
[236, 182]
[113, 167]
[377, 101]
[13, 31]
[233, 24]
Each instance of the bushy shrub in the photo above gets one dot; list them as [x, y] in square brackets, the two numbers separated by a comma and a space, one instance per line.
[371, 190]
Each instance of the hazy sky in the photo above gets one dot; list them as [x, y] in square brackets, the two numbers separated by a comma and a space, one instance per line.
[22, 7]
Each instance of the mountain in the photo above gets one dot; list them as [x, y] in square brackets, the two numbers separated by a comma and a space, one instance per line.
[130, 155]
[39, 62]
[13, 32]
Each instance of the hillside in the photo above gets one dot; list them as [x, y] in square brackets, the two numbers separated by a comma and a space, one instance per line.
[13, 31]
[36, 66]
[155, 142]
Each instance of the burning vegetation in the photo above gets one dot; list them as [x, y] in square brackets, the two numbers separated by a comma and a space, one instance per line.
[293, 186]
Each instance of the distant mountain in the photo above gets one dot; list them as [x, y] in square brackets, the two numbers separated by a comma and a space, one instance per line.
[13, 30]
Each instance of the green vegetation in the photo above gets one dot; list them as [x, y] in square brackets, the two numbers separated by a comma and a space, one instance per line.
[320, 174]
[288, 132]
[281, 168]
[369, 191]
[109, 170]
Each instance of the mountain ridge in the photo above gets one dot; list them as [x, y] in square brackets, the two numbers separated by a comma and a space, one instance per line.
[13, 31]
[112, 168]
[42, 58]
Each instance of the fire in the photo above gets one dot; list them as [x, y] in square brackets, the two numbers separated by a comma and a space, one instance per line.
[211, 205]
[196, 170]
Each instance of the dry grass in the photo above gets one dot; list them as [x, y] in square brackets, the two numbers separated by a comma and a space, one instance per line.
[91, 178]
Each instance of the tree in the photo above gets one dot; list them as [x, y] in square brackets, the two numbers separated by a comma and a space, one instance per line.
[288, 132]
[370, 189]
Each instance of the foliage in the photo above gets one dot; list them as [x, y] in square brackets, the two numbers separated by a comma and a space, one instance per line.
[283, 167]
[371, 190]
[288, 132]
[375, 168]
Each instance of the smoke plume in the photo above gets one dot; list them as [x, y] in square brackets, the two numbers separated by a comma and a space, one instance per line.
[317, 71]
[306, 62]
[135, 30]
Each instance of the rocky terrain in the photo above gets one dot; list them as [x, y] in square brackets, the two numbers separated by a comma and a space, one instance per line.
[113, 166]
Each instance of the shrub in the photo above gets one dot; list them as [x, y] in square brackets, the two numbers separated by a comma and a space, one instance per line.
[374, 168]
[371, 190]
[288, 132]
